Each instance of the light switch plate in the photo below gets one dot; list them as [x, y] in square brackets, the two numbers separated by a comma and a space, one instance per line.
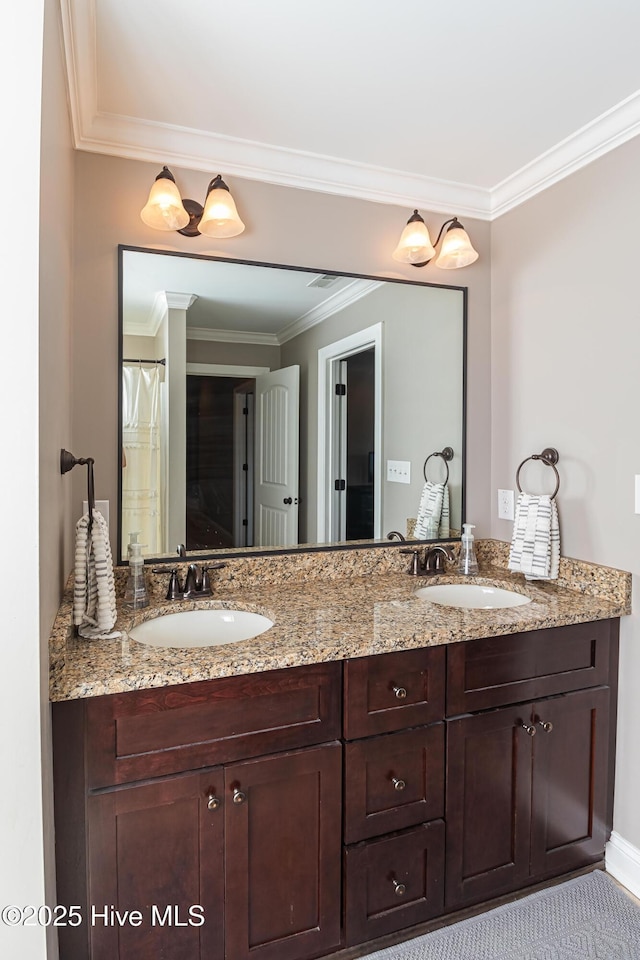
[399, 471]
[506, 509]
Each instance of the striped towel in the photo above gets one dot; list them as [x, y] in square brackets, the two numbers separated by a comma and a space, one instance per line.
[535, 547]
[94, 594]
[433, 512]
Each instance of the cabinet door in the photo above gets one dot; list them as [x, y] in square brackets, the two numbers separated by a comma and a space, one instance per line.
[488, 804]
[283, 851]
[570, 764]
[157, 848]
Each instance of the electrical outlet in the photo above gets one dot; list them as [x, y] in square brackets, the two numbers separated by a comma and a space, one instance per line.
[506, 510]
[637, 478]
[399, 471]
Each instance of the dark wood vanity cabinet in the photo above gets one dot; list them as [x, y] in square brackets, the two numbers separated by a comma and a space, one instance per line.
[393, 876]
[529, 784]
[252, 845]
[318, 807]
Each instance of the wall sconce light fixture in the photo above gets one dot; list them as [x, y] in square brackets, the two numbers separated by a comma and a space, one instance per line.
[166, 210]
[415, 245]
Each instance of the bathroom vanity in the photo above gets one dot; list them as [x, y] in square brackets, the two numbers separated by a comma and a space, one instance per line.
[305, 808]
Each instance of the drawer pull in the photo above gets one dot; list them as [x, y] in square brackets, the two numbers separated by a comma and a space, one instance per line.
[238, 795]
[399, 888]
[529, 729]
[398, 784]
[546, 725]
[400, 692]
[213, 802]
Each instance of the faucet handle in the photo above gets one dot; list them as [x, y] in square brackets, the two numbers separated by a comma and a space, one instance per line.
[414, 569]
[174, 590]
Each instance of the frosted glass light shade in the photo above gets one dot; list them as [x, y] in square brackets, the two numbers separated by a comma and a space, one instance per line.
[456, 250]
[220, 217]
[415, 244]
[164, 209]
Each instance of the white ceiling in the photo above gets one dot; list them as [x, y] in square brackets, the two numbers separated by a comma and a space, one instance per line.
[232, 301]
[462, 107]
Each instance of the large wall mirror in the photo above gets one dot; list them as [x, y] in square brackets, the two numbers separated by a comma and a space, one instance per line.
[267, 407]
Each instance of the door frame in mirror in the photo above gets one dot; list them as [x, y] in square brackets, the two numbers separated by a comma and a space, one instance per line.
[305, 547]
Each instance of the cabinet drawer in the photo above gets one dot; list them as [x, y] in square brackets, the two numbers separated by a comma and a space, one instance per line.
[393, 781]
[499, 670]
[394, 882]
[149, 733]
[393, 691]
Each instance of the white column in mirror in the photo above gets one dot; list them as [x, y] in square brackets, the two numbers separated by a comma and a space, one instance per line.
[174, 420]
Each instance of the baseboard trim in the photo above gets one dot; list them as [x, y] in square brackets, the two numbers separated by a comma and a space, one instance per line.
[622, 861]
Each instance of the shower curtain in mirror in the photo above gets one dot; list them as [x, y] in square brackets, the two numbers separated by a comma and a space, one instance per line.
[141, 457]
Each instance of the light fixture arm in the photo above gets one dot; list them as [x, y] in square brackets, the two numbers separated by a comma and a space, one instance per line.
[446, 223]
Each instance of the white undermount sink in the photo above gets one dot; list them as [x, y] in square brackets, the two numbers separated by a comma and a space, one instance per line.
[477, 596]
[200, 628]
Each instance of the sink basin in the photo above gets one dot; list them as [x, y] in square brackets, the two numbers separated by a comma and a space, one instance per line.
[200, 628]
[476, 596]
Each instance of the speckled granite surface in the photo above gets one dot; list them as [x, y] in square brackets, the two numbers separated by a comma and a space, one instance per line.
[325, 606]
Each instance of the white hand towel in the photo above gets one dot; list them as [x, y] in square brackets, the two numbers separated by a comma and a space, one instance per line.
[433, 511]
[535, 547]
[94, 594]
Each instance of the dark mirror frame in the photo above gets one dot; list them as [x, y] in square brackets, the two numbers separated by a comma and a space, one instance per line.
[302, 548]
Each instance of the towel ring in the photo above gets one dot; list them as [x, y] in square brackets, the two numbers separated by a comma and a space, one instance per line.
[549, 457]
[446, 455]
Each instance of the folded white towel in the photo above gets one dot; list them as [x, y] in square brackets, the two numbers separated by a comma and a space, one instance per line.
[433, 511]
[94, 594]
[535, 547]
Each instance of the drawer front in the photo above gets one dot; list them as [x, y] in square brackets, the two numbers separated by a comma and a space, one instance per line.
[393, 781]
[394, 882]
[393, 691]
[495, 671]
[149, 733]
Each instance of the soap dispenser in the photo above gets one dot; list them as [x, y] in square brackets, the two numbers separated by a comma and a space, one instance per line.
[135, 594]
[468, 563]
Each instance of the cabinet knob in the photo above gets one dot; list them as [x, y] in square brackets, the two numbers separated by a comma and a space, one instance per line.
[529, 729]
[213, 802]
[399, 888]
[400, 692]
[546, 725]
[238, 795]
[397, 783]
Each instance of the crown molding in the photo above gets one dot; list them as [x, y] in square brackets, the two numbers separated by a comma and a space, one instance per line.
[232, 336]
[179, 301]
[151, 324]
[199, 150]
[608, 131]
[185, 147]
[342, 298]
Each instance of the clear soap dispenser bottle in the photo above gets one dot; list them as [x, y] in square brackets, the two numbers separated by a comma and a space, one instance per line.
[135, 594]
[468, 563]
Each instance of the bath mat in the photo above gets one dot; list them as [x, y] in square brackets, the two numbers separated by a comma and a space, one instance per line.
[588, 918]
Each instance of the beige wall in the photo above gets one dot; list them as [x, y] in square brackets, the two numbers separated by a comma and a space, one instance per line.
[422, 399]
[565, 353]
[283, 226]
[236, 354]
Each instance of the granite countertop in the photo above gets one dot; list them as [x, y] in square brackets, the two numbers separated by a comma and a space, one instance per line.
[325, 618]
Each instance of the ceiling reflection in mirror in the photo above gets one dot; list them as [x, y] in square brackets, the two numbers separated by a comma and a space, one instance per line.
[267, 407]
